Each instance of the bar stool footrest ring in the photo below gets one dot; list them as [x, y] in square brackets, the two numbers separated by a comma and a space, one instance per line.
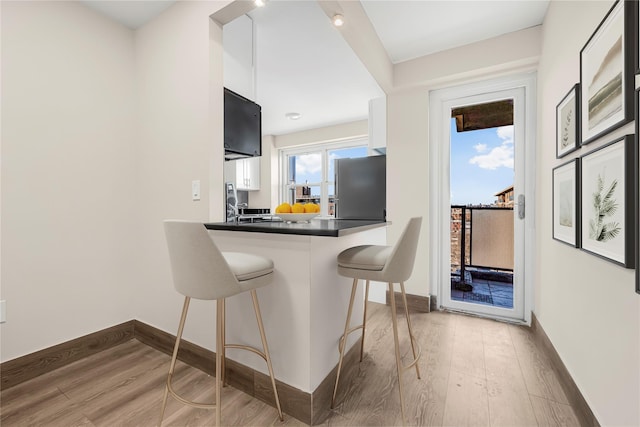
[342, 337]
[414, 361]
[248, 348]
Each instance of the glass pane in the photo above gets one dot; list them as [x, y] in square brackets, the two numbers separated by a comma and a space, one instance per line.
[343, 153]
[305, 168]
[308, 194]
[482, 178]
[331, 190]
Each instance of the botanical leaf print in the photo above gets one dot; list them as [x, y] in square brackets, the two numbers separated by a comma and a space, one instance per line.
[604, 205]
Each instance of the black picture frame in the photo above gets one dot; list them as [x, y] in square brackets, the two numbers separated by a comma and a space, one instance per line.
[566, 203]
[636, 32]
[607, 76]
[607, 213]
[637, 192]
[637, 215]
[567, 122]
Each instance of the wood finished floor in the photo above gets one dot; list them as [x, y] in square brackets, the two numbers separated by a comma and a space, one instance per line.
[475, 372]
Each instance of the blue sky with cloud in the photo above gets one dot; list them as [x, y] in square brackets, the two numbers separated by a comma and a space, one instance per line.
[481, 164]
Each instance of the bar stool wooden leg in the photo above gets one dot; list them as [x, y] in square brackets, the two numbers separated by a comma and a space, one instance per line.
[220, 318]
[411, 336]
[397, 348]
[344, 339]
[256, 308]
[183, 318]
[223, 373]
[364, 318]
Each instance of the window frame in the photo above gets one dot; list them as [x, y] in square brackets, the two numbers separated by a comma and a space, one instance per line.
[324, 148]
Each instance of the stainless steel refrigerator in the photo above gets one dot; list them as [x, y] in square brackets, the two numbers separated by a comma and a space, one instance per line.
[361, 188]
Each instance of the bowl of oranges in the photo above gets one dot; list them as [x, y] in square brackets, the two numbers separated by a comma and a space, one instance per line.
[298, 212]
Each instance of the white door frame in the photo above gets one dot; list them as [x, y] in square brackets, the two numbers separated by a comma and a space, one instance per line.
[523, 89]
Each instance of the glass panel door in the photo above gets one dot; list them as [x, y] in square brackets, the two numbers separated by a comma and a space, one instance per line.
[485, 170]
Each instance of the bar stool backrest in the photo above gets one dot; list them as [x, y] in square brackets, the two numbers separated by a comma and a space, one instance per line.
[199, 270]
[399, 265]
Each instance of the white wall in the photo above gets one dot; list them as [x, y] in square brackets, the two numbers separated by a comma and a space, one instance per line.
[587, 306]
[179, 91]
[267, 197]
[68, 174]
[408, 176]
[408, 127]
[491, 57]
[335, 133]
[104, 130]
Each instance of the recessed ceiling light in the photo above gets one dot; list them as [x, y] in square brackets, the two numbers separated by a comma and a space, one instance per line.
[293, 116]
[259, 3]
[338, 20]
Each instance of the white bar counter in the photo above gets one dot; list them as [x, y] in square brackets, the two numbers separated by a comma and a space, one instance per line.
[305, 307]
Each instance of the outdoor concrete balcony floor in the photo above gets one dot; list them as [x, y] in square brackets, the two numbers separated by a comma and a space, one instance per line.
[486, 292]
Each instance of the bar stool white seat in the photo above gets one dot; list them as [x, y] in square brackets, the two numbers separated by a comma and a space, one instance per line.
[390, 264]
[200, 270]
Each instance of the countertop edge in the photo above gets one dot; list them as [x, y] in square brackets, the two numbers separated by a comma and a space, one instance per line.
[320, 232]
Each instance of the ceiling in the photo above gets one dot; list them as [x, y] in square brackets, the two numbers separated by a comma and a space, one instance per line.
[132, 14]
[410, 29]
[305, 66]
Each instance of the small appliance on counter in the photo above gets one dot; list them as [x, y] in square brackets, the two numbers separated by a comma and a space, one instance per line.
[256, 215]
[237, 210]
[231, 202]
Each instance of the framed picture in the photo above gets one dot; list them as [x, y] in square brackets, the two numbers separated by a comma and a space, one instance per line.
[637, 167]
[567, 129]
[636, 28]
[606, 73]
[565, 203]
[607, 202]
[637, 222]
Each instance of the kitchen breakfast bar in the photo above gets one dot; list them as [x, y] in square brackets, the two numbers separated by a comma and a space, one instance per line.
[304, 309]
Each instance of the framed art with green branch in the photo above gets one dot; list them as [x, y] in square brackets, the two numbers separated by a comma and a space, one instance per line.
[567, 123]
[607, 199]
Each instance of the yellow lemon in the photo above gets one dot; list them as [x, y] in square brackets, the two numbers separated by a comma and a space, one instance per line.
[297, 208]
[283, 208]
[311, 208]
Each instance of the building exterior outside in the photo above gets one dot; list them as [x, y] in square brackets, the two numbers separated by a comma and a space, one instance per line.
[505, 197]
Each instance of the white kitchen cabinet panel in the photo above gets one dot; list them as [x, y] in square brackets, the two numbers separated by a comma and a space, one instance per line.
[243, 173]
[378, 125]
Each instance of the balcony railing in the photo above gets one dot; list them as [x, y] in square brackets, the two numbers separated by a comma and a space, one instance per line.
[482, 239]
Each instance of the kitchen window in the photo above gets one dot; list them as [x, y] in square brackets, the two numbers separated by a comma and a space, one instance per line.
[307, 174]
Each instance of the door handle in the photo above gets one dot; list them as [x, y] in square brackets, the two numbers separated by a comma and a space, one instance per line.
[520, 206]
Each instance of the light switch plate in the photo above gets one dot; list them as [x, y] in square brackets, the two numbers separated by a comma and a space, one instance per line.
[3, 311]
[195, 190]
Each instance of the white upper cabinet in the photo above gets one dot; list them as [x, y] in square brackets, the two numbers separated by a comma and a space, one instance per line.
[250, 172]
[378, 125]
[243, 173]
[239, 55]
[239, 76]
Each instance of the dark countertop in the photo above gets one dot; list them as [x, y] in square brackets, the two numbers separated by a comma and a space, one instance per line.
[315, 227]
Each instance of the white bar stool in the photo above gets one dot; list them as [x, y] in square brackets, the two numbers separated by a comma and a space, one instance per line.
[391, 264]
[201, 271]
